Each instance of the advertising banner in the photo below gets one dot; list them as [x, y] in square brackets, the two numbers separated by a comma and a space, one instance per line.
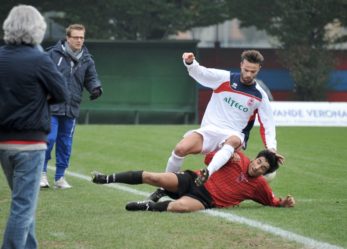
[309, 113]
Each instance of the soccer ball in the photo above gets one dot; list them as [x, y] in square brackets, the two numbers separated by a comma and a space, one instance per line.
[269, 177]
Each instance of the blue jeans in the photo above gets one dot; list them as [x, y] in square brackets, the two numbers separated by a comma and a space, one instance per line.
[22, 170]
[62, 131]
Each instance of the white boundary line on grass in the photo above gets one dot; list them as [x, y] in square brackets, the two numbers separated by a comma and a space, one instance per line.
[311, 243]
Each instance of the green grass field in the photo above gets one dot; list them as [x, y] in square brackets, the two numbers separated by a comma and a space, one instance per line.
[93, 216]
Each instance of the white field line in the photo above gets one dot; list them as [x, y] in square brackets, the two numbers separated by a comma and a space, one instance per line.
[308, 242]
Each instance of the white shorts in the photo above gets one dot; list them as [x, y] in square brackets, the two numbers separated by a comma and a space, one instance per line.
[214, 137]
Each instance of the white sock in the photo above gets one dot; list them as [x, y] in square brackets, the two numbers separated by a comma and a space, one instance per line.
[174, 163]
[220, 158]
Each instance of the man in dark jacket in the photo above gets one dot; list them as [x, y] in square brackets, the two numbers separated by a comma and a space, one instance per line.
[29, 80]
[76, 64]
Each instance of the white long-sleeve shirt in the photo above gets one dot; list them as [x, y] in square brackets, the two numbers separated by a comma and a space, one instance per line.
[234, 105]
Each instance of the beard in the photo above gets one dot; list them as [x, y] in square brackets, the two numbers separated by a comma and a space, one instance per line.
[247, 81]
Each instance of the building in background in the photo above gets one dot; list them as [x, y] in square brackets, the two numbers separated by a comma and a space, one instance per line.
[228, 35]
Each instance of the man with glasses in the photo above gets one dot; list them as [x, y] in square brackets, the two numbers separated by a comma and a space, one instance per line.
[77, 66]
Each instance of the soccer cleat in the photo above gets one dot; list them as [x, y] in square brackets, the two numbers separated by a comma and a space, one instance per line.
[99, 178]
[156, 195]
[61, 183]
[44, 180]
[202, 177]
[140, 206]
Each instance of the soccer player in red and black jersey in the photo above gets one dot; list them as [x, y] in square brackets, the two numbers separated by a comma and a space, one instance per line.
[238, 180]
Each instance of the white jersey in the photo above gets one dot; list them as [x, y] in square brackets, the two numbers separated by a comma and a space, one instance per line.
[234, 105]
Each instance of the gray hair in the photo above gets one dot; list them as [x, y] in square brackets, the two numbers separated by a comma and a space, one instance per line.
[24, 24]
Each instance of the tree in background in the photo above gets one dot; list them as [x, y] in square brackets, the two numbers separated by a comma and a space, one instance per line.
[132, 20]
[305, 30]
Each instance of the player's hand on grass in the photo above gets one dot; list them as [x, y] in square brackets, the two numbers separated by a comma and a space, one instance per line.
[289, 201]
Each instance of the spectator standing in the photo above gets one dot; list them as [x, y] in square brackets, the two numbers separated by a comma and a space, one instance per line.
[29, 81]
[74, 61]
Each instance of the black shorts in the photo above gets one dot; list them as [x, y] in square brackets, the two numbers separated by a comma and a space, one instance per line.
[187, 187]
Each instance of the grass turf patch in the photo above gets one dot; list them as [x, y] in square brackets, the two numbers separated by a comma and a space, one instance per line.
[91, 216]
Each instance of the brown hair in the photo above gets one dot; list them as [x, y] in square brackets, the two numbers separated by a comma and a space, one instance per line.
[252, 56]
[76, 27]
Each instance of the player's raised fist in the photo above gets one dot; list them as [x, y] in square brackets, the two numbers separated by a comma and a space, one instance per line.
[188, 57]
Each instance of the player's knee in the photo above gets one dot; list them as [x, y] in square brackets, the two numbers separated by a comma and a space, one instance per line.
[151, 178]
[233, 141]
[177, 206]
[180, 150]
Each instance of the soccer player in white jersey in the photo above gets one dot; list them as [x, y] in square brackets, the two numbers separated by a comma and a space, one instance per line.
[230, 114]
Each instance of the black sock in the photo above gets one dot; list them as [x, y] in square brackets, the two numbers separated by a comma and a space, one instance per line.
[160, 206]
[129, 177]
